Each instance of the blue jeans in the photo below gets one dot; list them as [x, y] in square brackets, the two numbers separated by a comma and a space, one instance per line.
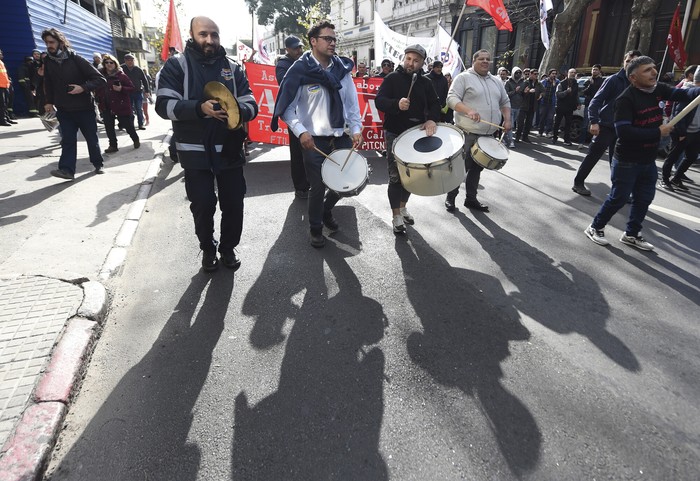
[137, 106]
[312, 163]
[546, 117]
[628, 178]
[70, 122]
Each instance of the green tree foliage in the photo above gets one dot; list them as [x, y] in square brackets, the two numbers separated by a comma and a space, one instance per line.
[289, 16]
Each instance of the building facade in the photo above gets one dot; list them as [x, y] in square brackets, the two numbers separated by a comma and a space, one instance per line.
[103, 26]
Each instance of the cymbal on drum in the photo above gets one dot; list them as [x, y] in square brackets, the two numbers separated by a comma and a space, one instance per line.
[218, 91]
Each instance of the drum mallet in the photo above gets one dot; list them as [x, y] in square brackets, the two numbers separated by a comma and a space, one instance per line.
[493, 125]
[325, 155]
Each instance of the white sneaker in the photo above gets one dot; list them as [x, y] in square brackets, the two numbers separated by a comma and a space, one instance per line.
[408, 218]
[637, 242]
[397, 223]
[512, 145]
[596, 235]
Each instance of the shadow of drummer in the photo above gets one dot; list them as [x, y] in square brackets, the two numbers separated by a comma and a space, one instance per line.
[463, 343]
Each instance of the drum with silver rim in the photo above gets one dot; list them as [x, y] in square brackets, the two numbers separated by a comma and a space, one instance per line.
[430, 165]
[489, 153]
[346, 179]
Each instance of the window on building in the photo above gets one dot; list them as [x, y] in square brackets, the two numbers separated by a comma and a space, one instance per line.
[488, 39]
[467, 42]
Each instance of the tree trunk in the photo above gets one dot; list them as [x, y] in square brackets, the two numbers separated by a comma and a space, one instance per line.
[563, 33]
[639, 37]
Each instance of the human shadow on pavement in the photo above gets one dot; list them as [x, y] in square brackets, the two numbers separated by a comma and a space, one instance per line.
[324, 420]
[464, 341]
[555, 294]
[12, 204]
[142, 428]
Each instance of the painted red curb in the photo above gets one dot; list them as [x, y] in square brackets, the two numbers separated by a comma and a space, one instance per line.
[29, 446]
[67, 362]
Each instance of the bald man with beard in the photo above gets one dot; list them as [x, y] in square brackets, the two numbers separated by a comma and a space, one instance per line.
[211, 154]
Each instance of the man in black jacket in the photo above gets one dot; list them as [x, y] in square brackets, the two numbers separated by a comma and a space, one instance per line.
[567, 102]
[69, 80]
[400, 114]
[141, 87]
[208, 151]
[439, 84]
[294, 49]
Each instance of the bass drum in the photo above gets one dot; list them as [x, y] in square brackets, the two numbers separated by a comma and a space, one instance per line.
[489, 153]
[430, 165]
[346, 179]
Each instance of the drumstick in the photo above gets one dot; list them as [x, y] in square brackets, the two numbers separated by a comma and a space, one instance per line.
[413, 81]
[351, 151]
[493, 125]
[325, 155]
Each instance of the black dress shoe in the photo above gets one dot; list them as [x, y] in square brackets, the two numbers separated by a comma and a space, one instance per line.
[231, 260]
[476, 205]
[329, 221]
[316, 238]
[209, 261]
[450, 204]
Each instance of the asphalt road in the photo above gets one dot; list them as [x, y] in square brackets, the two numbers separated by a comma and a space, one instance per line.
[478, 346]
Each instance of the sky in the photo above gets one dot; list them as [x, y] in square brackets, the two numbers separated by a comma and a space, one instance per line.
[231, 16]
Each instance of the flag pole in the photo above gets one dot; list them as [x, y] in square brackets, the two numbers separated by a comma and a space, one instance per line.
[661, 67]
[456, 25]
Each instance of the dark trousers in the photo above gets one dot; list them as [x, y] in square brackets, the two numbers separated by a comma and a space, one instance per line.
[231, 188]
[471, 183]
[691, 146]
[627, 178]
[71, 122]
[568, 116]
[546, 115]
[126, 120]
[605, 140]
[524, 124]
[313, 161]
[296, 163]
[396, 191]
[3, 105]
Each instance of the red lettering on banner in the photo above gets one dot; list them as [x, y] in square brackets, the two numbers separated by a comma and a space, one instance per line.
[264, 86]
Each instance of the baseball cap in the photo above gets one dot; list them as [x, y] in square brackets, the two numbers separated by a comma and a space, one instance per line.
[416, 49]
[128, 55]
[292, 42]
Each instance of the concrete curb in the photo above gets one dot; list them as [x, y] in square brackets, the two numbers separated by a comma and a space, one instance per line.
[25, 454]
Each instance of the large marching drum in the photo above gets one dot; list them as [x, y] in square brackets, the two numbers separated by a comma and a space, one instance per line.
[489, 153]
[430, 165]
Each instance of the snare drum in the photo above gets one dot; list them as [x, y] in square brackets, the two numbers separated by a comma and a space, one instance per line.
[349, 181]
[489, 153]
[430, 165]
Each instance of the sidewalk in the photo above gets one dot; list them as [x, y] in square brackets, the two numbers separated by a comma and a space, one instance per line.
[60, 241]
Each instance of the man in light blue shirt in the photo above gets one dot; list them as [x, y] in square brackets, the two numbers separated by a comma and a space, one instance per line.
[317, 100]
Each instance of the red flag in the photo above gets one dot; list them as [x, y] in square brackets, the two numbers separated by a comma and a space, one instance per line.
[172, 34]
[496, 9]
[675, 40]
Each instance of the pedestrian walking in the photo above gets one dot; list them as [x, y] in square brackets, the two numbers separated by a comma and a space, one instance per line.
[600, 113]
[317, 100]
[5, 84]
[294, 48]
[141, 87]
[567, 102]
[114, 101]
[532, 93]
[548, 102]
[69, 81]
[639, 123]
[405, 104]
[211, 154]
[477, 95]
